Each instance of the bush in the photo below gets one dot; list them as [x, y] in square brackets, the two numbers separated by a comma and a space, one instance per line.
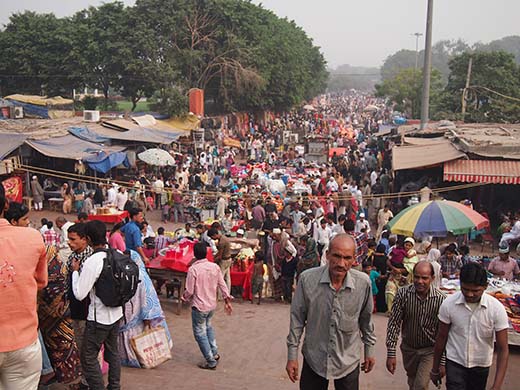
[90, 102]
[171, 101]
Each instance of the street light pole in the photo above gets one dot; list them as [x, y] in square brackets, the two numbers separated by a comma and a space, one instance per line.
[425, 104]
[417, 36]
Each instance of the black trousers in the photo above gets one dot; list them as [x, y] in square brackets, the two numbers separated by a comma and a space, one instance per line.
[287, 282]
[95, 336]
[312, 381]
[461, 378]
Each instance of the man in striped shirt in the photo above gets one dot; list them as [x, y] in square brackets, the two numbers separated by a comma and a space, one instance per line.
[415, 316]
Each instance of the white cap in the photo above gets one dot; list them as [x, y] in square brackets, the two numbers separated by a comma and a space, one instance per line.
[35, 177]
[410, 240]
[240, 231]
[277, 231]
[361, 215]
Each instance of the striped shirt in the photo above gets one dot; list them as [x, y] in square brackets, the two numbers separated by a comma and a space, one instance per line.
[416, 317]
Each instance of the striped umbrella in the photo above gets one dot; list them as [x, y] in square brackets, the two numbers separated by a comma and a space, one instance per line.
[437, 218]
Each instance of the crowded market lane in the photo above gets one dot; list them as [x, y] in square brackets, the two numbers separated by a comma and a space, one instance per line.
[252, 342]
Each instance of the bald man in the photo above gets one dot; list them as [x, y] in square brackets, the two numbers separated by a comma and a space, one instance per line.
[415, 316]
[334, 304]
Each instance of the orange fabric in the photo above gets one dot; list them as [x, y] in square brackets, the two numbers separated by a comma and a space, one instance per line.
[23, 271]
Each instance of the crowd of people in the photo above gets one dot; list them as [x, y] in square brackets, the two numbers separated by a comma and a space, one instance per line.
[324, 247]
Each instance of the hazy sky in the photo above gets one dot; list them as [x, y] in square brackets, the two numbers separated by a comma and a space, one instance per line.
[357, 32]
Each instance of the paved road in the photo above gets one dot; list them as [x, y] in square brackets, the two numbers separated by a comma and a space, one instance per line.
[252, 346]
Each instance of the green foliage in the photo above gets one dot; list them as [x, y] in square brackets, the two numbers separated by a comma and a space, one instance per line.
[495, 71]
[90, 102]
[34, 55]
[170, 101]
[405, 90]
[242, 55]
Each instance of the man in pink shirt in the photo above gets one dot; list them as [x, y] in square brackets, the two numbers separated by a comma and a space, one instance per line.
[202, 282]
[23, 271]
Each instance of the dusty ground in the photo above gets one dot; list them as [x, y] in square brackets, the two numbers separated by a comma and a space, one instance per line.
[252, 346]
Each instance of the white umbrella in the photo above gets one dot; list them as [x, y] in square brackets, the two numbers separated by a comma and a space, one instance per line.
[156, 156]
[308, 107]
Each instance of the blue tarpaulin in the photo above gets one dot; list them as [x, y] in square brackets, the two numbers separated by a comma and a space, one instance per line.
[88, 135]
[32, 110]
[103, 162]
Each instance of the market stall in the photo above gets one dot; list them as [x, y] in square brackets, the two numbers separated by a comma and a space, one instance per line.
[172, 265]
[507, 292]
[108, 215]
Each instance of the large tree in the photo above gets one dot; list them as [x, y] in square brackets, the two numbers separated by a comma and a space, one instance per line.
[405, 90]
[101, 48]
[35, 55]
[494, 87]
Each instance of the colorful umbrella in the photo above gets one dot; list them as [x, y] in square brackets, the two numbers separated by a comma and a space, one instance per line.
[437, 218]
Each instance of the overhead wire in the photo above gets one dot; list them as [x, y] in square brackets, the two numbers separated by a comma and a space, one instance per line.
[129, 185]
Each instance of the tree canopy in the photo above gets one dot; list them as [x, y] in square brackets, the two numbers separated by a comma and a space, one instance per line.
[242, 55]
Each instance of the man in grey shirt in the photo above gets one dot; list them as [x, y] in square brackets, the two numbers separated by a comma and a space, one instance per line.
[334, 304]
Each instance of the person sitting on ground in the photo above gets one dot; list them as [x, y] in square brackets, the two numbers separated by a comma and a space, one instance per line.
[44, 227]
[504, 266]
[450, 263]
[187, 232]
[50, 237]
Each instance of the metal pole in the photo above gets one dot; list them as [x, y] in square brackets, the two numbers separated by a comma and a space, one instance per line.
[425, 105]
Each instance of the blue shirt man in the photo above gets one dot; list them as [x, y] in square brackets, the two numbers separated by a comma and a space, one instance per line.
[132, 232]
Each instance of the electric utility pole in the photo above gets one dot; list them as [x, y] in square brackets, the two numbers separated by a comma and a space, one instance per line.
[425, 104]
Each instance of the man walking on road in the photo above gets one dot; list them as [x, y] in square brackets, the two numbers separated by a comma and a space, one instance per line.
[334, 305]
[470, 322]
[202, 282]
[414, 315]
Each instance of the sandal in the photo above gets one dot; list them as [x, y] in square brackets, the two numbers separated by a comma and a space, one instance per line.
[206, 366]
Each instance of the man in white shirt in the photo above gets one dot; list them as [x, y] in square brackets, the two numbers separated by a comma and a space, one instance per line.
[469, 323]
[102, 326]
[322, 235]
[361, 224]
[514, 233]
[112, 194]
[158, 188]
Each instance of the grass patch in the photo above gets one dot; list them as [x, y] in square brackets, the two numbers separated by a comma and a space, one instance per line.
[126, 105]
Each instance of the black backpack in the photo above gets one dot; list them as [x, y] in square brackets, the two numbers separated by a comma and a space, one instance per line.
[119, 278]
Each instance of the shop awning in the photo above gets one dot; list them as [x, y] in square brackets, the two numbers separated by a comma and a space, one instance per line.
[418, 156]
[483, 171]
[70, 147]
[9, 142]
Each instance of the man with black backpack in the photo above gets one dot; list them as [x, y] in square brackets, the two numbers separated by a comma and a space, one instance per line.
[110, 279]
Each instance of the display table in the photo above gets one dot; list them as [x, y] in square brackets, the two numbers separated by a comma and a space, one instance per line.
[165, 267]
[238, 278]
[55, 203]
[158, 272]
[109, 218]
